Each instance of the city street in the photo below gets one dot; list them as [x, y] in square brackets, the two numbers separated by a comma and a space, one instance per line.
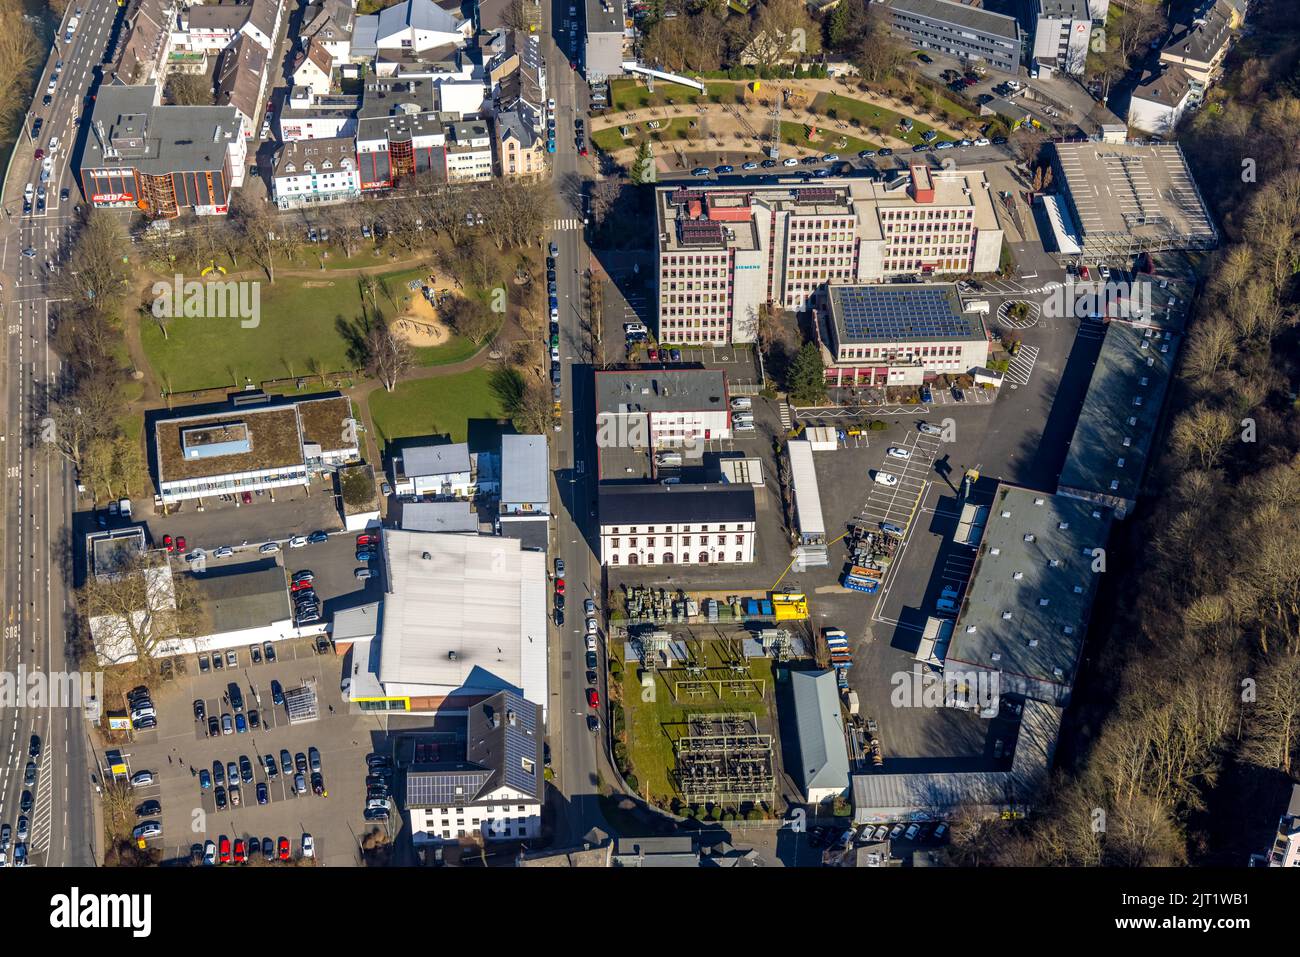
[39, 608]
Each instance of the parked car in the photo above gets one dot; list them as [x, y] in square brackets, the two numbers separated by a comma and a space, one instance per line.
[885, 478]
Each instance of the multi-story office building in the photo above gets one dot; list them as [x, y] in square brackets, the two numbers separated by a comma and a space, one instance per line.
[899, 334]
[606, 33]
[661, 408]
[399, 132]
[1062, 29]
[469, 151]
[959, 30]
[161, 159]
[725, 252]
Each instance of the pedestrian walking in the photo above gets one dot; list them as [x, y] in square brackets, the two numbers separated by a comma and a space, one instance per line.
[169, 759]
[331, 709]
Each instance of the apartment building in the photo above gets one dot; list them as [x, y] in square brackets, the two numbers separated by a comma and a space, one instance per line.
[330, 23]
[520, 151]
[959, 30]
[162, 160]
[312, 68]
[1285, 851]
[676, 524]
[315, 116]
[724, 252]
[1160, 99]
[316, 172]
[1200, 45]
[208, 28]
[241, 80]
[468, 151]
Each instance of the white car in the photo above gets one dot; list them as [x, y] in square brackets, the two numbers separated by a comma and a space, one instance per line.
[591, 626]
[28, 192]
[54, 143]
[550, 104]
[269, 547]
[591, 642]
[1104, 271]
[225, 551]
[886, 478]
[308, 846]
[209, 854]
[897, 453]
[790, 162]
[297, 542]
[982, 141]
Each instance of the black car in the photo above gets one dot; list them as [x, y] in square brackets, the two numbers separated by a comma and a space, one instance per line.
[317, 783]
[149, 809]
[286, 761]
[200, 709]
[34, 747]
[999, 141]
[768, 163]
[550, 275]
[817, 836]
[559, 602]
[315, 538]
[220, 794]
[245, 769]
[593, 723]
[272, 770]
[269, 651]
[63, 194]
[559, 617]
[591, 660]
[884, 151]
[378, 761]
[277, 693]
[958, 394]
[254, 720]
[214, 727]
[236, 697]
[29, 774]
[591, 677]
[268, 849]
[300, 761]
[218, 773]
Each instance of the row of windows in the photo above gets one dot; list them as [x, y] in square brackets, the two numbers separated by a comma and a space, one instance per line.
[686, 540]
[650, 530]
[884, 352]
[489, 809]
[715, 260]
[925, 215]
[704, 284]
[802, 225]
[667, 559]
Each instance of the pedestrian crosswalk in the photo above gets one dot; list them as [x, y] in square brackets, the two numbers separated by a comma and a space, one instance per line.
[563, 224]
[786, 419]
[1021, 366]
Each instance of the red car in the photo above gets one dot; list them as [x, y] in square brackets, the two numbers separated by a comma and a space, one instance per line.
[284, 848]
[180, 543]
[223, 853]
[247, 497]
[300, 586]
[40, 154]
[582, 150]
[367, 539]
[593, 698]
[573, 64]
[240, 856]
[559, 586]
[167, 543]
[653, 355]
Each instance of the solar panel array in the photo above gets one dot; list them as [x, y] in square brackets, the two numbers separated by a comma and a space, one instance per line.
[521, 742]
[680, 197]
[701, 232]
[899, 314]
[443, 788]
[820, 194]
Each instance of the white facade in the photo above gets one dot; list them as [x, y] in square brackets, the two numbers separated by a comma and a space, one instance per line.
[464, 165]
[316, 182]
[1062, 33]
[503, 814]
[1156, 115]
[694, 542]
[310, 75]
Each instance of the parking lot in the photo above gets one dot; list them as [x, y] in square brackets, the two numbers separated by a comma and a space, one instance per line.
[180, 747]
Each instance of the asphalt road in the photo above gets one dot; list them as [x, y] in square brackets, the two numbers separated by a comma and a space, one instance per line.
[39, 494]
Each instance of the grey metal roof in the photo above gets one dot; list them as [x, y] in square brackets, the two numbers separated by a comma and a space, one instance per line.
[604, 16]
[235, 597]
[958, 14]
[670, 504]
[438, 517]
[419, 14]
[525, 471]
[1026, 610]
[661, 390]
[819, 732]
[158, 140]
[435, 459]
[1117, 423]
[356, 624]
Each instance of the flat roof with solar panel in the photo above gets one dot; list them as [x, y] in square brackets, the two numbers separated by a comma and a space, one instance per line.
[901, 312]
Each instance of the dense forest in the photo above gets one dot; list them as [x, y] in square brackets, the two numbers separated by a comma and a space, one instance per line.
[1180, 745]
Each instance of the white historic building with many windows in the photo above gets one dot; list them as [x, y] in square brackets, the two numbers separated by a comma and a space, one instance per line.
[676, 524]
[316, 173]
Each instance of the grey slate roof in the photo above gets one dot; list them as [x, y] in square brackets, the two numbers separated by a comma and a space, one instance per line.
[819, 732]
[505, 735]
[671, 504]
[959, 14]
[661, 390]
[158, 140]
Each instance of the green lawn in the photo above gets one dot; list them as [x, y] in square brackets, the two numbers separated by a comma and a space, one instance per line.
[437, 406]
[872, 115]
[669, 131]
[653, 726]
[633, 95]
[302, 331]
[796, 134]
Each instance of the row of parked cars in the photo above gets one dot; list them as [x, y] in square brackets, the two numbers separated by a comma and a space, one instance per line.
[30, 774]
[379, 784]
[224, 780]
[144, 716]
[223, 851]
